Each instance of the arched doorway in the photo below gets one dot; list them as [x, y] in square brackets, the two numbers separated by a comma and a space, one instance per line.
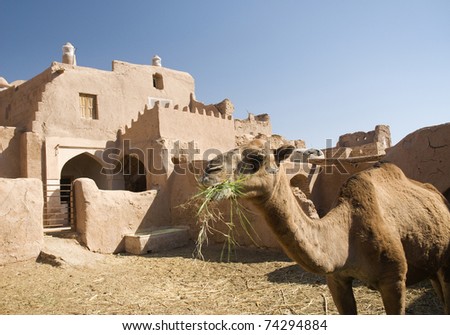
[134, 174]
[59, 205]
[84, 166]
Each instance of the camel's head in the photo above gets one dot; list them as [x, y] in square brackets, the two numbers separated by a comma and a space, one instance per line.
[254, 165]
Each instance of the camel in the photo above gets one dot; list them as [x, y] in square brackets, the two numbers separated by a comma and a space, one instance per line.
[385, 230]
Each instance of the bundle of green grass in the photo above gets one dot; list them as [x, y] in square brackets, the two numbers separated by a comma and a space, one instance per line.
[209, 215]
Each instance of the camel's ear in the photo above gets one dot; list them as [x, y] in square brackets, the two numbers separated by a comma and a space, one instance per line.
[283, 152]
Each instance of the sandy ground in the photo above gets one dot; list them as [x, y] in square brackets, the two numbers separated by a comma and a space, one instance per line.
[71, 280]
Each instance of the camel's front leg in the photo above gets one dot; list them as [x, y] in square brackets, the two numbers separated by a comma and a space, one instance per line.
[342, 293]
[393, 294]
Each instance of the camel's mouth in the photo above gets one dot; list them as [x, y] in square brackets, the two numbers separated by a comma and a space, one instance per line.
[215, 190]
[208, 181]
[210, 213]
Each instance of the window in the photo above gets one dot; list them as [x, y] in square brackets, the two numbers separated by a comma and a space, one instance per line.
[158, 81]
[88, 106]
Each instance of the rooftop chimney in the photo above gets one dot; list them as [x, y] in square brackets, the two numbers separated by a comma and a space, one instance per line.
[68, 56]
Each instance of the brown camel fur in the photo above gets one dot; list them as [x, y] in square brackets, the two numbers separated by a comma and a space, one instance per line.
[386, 230]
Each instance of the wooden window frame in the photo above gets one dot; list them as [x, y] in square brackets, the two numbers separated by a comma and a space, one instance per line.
[89, 112]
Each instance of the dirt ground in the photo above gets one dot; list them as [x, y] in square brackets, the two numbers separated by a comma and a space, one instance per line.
[71, 280]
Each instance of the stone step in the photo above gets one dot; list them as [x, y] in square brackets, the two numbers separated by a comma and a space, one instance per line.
[163, 238]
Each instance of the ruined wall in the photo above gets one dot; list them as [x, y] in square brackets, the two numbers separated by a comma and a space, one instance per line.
[381, 134]
[424, 155]
[253, 125]
[361, 143]
[103, 218]
[21, 211]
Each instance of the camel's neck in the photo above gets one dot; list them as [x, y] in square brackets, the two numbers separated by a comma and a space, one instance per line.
[321, 245]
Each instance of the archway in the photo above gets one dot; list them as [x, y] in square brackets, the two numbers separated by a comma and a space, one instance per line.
[59, 206]
[84, 166]
[134, 174]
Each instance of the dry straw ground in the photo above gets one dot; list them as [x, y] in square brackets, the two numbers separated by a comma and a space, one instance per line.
[255, 282]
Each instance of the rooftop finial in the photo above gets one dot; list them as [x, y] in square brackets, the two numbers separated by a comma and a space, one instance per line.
[156, 60]
[68, 56]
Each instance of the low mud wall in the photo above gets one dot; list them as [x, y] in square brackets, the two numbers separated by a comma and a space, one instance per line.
[21, 227]
[103, 218]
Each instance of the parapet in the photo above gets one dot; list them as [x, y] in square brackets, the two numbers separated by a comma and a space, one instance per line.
[223, 109]
[360, 144]
[157, 108]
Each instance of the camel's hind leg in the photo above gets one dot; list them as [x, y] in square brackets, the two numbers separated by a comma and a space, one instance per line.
[342, 293]
[442, 287]
[437, 288]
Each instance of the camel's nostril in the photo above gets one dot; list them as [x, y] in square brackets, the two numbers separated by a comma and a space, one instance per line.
[204, 179]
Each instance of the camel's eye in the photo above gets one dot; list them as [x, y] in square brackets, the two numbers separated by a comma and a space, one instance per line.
[251, 161]
[214, 166]
[212, 169]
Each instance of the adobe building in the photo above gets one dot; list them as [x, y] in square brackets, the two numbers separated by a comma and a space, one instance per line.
[111, 126]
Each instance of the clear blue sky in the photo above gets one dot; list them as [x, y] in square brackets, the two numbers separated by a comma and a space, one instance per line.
[320, 68]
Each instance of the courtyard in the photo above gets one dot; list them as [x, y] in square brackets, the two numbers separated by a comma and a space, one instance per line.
[255, 281]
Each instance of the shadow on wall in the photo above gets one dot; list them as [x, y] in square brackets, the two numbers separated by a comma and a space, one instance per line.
[9, 153]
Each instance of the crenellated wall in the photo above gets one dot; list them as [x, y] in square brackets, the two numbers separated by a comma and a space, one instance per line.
[165, 124]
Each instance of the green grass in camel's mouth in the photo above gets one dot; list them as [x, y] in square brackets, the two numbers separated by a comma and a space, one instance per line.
[209, 215]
